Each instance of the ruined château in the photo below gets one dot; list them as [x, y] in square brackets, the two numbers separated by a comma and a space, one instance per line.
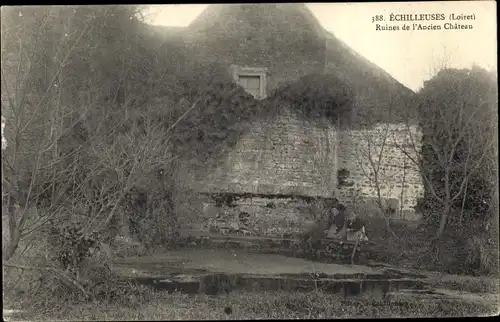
[286, 158]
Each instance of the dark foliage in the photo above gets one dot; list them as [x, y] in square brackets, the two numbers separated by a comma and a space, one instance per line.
[71, 247]
[316, 96]
[223, 111]
[151, 216]
[446, 89]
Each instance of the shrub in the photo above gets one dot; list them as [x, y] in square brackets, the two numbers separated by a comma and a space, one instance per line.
[70, 247]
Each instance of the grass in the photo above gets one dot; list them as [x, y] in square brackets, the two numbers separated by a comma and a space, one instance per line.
[413, 249]
[132, 302]
[142, 303]
[482, 284]
[153, 305]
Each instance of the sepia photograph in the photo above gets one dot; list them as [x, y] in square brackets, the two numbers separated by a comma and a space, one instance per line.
[240, 161]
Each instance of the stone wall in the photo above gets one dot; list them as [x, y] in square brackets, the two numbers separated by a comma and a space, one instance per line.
[283, 156]
[399, 178]
[289, 156]
[258, 216]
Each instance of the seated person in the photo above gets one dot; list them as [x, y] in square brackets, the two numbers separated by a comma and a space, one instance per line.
[337, 221]
[346, 225]
[355, 228]
[333, 211]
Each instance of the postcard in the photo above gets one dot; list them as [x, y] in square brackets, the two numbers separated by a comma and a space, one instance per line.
[250, 161]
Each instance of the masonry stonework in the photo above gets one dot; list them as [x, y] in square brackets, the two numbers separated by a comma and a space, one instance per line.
[285, 38]
[284, 156]
[280, 162]
[257, 216]
[398, 179]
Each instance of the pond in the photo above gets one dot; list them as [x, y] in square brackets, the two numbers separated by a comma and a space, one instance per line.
[218, 271]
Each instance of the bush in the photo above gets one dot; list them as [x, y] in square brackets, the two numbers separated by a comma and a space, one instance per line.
[476, 253]
[70, 247]
[151, 215]
[37, 286]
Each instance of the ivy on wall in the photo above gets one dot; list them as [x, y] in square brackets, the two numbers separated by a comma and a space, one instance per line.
[316, 97]
[225, 111]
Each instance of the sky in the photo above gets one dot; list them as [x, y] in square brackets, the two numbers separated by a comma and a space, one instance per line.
[411, 57]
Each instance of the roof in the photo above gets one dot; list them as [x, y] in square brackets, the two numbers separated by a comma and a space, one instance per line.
[375, 88]
[296, 15]
[225, 30]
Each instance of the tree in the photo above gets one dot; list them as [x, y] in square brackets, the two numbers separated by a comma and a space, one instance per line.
[374, 133]
[86, 128]
[32, 126]
[371, 158]
[68, 135]
[457, 110]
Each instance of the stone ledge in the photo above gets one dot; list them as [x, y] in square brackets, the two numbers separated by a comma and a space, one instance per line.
[326, 250]
[214, 284]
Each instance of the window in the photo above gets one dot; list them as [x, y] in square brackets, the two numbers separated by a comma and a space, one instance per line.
[252, 79]
[251, 84]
